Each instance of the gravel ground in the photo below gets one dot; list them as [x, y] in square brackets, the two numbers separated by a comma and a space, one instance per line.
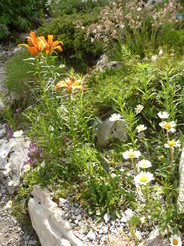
[13, 233]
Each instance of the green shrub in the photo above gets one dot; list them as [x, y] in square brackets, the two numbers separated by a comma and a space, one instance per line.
[18, 72]
[18, 15]
[75, 6]
[71, 29]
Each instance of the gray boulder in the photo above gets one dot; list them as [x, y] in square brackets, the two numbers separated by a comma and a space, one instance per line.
[110, 130]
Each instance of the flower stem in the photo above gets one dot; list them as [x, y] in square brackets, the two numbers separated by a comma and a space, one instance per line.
[134, 166]
[171, 153]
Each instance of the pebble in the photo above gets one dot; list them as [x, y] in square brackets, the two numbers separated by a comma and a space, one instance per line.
[91, 235]
[107, 218]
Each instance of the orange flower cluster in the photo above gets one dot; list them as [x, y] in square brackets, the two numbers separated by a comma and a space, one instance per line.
[38, 44]
[70, 84]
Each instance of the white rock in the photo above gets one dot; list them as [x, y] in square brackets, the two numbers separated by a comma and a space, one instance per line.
[62, 201]
[107, 218]
[79, 217]
[32, 242]
[110, 130]
[17, 50]
[129, 213]
[124, 219]
[47, 222]
[91, 235]
[138, 235]
[155, 239]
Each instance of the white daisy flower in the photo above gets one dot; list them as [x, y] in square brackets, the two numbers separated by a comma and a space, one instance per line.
[9, 204]
[141, 128]
[175, 240]
[172, 144]
[17, 134]
[115, 117]
[26, 168]
[139, 108]
[139, 9]
[169, 126]
[154, 58]
[131, 154]
[144, 164]
[163, 115]
[13, 144]
[160, 52]
[10, 183]
[3, 153]
[143, 178]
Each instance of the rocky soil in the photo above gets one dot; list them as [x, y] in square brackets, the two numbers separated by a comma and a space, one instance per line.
[12, 231]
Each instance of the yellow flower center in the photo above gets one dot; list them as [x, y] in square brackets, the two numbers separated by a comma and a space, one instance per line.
[131, 154]
[167, 125]
[175, 242]
[172, 143]
[143, 179]
[144, 165]
[27, 168]
[9, 204]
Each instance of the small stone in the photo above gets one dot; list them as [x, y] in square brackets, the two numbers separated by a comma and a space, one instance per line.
[32, 242]
[124, 219]
[113, 222]
[76, 204]
[129, 213]
[77, 211]
[76, 222]
[91, 235]
[79, 217]
[62, 201]
[107, 218]
[104, 230]
[113, 230]
[138, 235]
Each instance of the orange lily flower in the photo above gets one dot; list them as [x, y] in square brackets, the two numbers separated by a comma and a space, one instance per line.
[50, 45]
[35, 44]
[70, 84]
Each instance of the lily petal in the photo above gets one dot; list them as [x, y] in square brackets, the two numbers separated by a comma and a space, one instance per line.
[61, 84]
[50, 39]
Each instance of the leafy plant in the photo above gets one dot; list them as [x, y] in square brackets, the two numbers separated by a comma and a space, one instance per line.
[71, 29]
[18, 15]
